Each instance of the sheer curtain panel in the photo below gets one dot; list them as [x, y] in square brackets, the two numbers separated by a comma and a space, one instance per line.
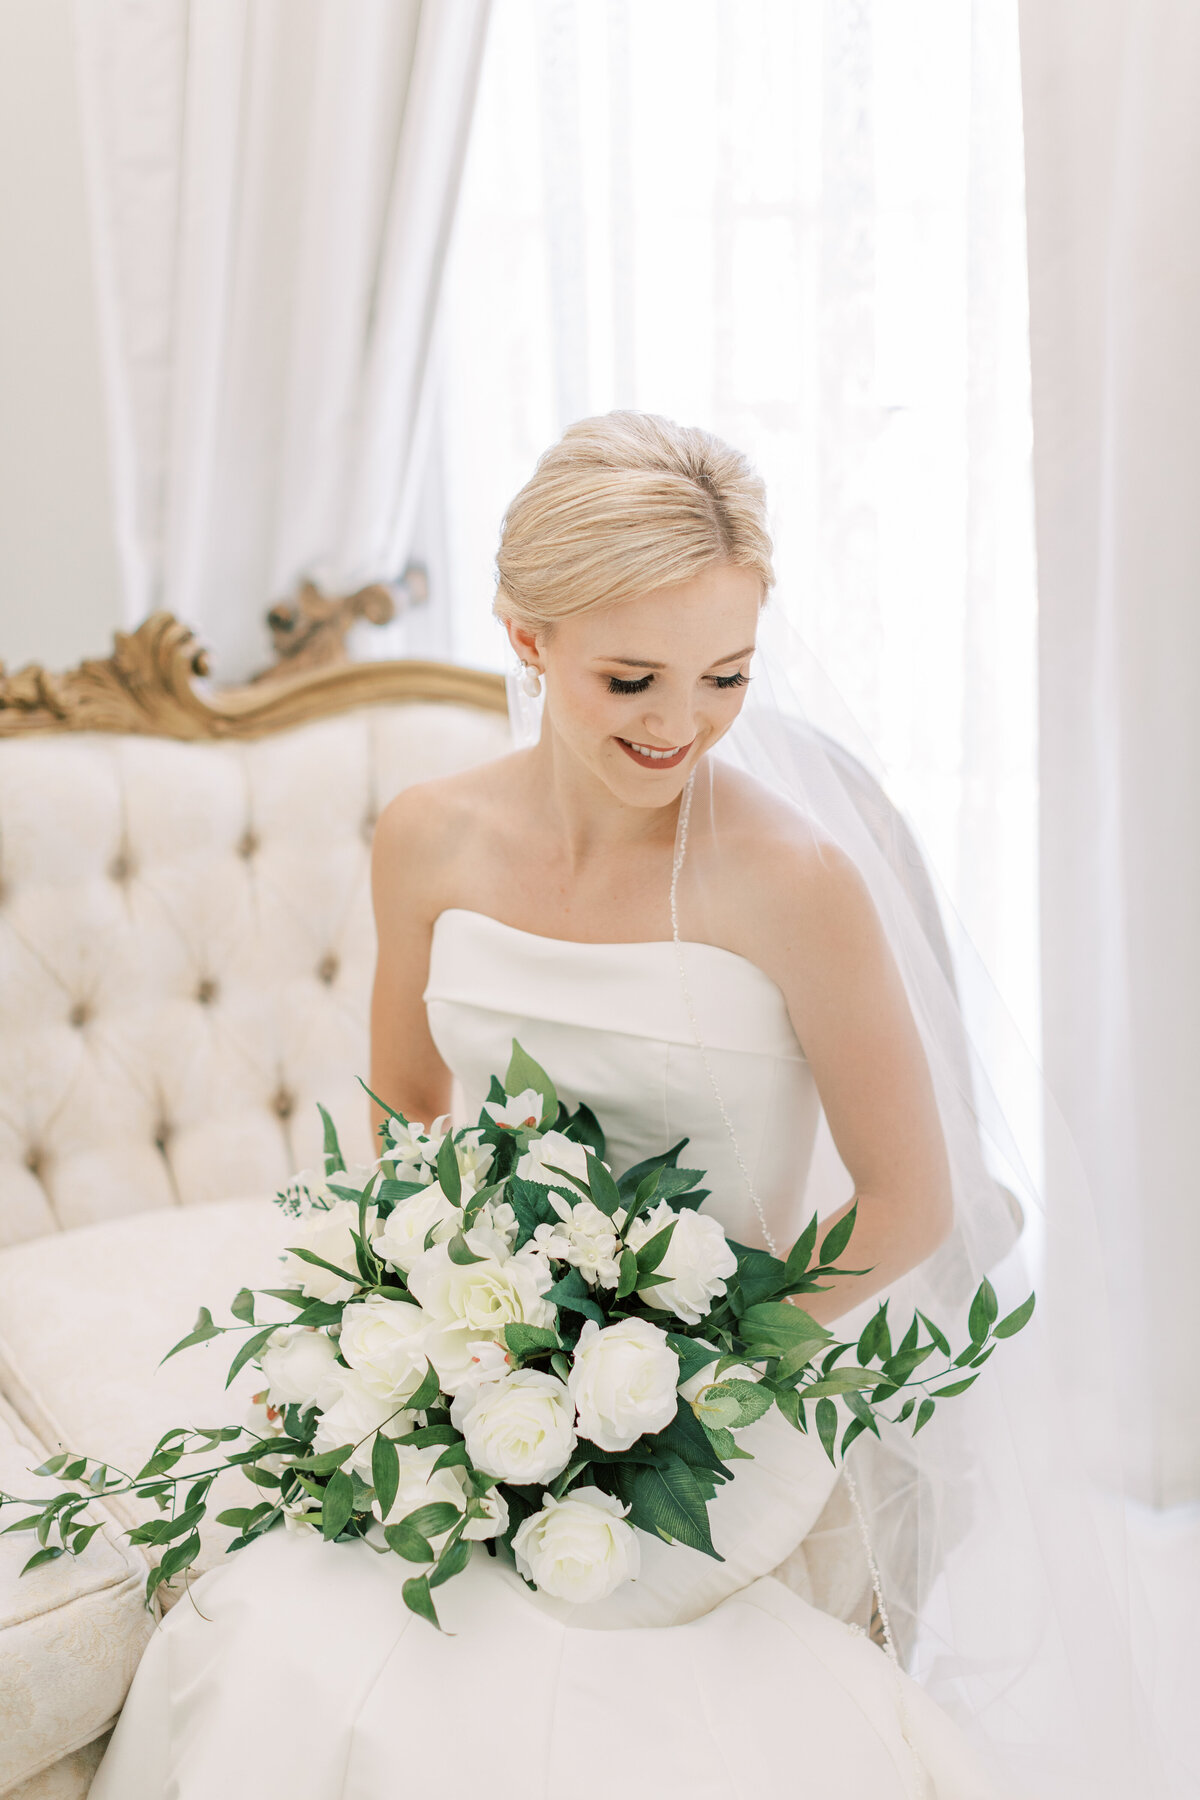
[1114, 269]
[272, 184]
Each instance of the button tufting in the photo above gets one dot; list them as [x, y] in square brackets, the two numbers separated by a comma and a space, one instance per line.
[248, 843]
[206, 990]
[284, 1102]
[35, 1158]
[368, 826]
[327, 968]
[121, 866]
[80, 1013]
[162, 1132]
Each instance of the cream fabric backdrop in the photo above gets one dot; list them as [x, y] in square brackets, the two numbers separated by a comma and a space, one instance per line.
[272, 184]
[1113, 134]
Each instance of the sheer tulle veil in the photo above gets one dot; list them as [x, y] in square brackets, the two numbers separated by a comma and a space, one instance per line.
[998, 1530]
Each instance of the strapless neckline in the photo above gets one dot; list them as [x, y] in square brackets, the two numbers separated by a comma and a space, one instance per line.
[539, 937]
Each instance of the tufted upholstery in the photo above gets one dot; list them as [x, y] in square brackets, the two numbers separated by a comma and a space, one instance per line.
[186, 952]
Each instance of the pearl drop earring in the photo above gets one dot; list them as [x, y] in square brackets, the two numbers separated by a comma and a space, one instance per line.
[531, 679]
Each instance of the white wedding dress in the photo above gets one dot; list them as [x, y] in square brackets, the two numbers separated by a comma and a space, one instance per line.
[307, 1678]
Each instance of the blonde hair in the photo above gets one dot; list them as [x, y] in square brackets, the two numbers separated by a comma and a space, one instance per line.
[625, 503]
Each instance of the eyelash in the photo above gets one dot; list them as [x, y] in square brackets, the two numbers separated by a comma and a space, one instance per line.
[617, 686]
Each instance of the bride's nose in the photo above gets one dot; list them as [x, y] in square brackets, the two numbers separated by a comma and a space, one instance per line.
[672, 722]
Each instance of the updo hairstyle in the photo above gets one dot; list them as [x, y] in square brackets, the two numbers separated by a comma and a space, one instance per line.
[625, 503]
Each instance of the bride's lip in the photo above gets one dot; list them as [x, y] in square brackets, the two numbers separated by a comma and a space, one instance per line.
[653, 762]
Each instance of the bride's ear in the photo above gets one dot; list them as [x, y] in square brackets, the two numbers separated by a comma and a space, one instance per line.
[526, 643]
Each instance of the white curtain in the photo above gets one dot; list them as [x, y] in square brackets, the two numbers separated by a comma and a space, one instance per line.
[1113, 132]
[800, 223]
[272, 184]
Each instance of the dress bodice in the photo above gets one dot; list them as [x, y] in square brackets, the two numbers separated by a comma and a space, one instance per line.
[610, 1024]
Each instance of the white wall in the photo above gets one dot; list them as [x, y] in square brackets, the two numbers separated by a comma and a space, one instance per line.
[59, 597]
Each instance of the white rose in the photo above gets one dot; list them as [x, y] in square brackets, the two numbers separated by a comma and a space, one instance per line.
[297, 1363]
[465, 1302]
[381, 1338]
[421, 1485]
[553, 1151]
[521, 1113]
[352, 1412]
[519, 1429]
[402, 1238]
[327, 1233]
[474, 1161]
[697, 1261]
[591, 1242]
[623, 1381]
[578, 1548]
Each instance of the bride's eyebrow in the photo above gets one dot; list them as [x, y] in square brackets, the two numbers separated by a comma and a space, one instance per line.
[639, 662]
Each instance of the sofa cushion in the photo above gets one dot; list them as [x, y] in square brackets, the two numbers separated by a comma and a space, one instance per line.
[71, 1631]
[186, 953]
[87, 1315]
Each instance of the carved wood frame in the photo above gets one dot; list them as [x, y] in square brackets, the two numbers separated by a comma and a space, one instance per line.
[149, 685]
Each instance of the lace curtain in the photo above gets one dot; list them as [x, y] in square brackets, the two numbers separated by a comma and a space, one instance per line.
[800, 223]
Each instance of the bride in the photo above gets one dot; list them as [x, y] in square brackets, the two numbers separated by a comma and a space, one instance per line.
[689, 952]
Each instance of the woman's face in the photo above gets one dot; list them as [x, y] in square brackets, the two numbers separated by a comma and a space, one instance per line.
[638, 692]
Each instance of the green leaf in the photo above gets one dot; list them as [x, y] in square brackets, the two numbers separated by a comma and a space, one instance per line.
[654, 1249]
[876, 1340]
[524, 1073]
[432, 1520]
[448, 1171]
[838, 1236]
[200, 1332]
[333, 1151]
[633, 1177]
[83, 1538]
[43, 1556]
[318, 1262]
[629, 1275]
[984, 1308]
[454, 1456]
[827, 1421]
[385, 1471]
[408, 1543]
[452, 1561]
[249, 1350]
[777, 1326]
[325, 1460]
[646, 1189]
[584, 1127]
[604, 1190]
[898, 1368]
[461, 1253]
[337, 1505]
[923, 1416]
[570, 1293]
[418, 1599]
[426, 1393]
[529, 1340]
[53, 1463]
[801, 1252]
[1017, 1319]
[693, 1355]
[788, 1402]
[180, 1556]
[242, 1306]
[751, 1401]
[939, 1337]
[670, 1498]
[956, 1387]
[862, 1413]
[760, 1276]
[853, 1430]
[844, 1381]
[797, 1358]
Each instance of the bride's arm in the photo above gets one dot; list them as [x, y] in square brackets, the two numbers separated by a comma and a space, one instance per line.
[406, 1069]
[825, 945]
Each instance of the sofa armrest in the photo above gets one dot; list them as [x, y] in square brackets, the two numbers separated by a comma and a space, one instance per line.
[71, 1631]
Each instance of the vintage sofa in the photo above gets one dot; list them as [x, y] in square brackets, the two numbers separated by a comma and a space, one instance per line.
[186, 953]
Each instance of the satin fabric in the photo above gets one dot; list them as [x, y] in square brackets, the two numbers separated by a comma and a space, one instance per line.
[298, 1672]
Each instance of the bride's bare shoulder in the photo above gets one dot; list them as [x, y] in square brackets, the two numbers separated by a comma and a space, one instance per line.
[787, 878]
[424, 829]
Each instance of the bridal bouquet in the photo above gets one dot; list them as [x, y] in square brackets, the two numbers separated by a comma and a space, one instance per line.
[493, 1337]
